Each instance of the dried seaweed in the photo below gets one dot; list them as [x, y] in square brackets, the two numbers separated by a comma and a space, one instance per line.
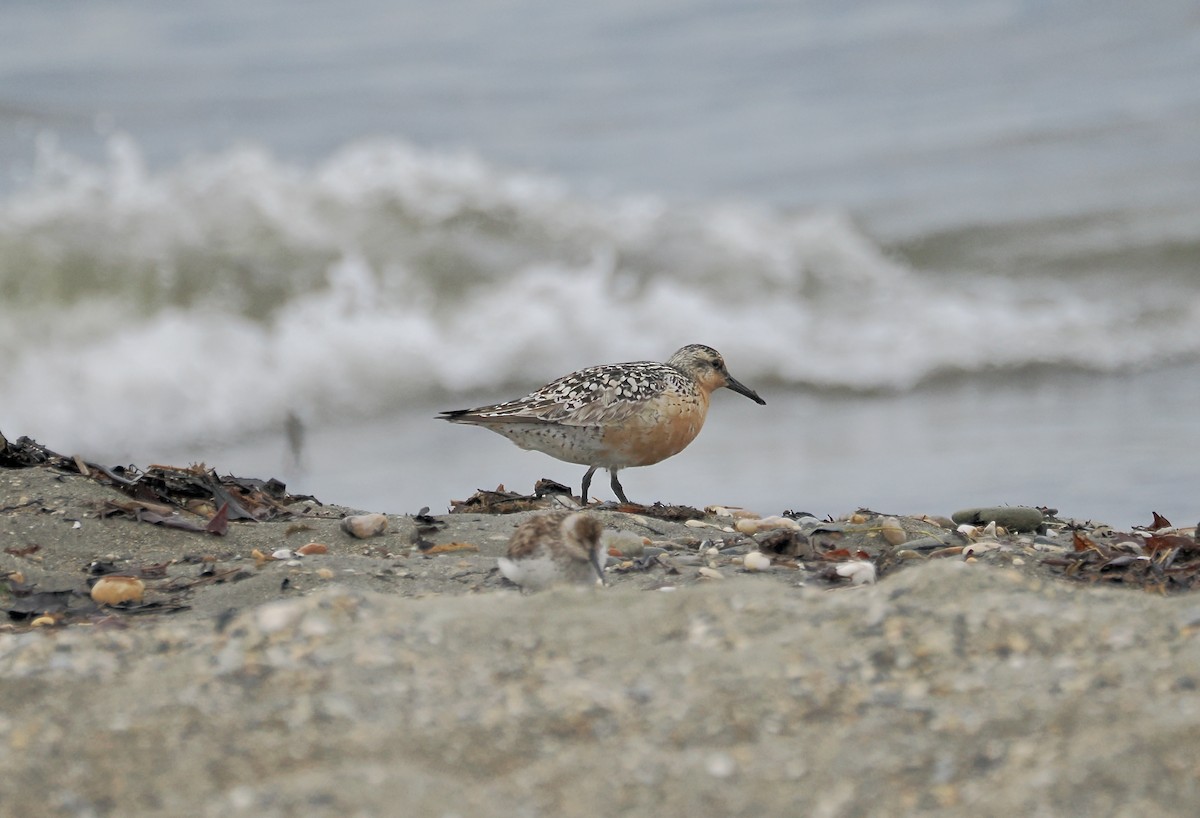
[1160, 563]
[499, 501]
[159, 491]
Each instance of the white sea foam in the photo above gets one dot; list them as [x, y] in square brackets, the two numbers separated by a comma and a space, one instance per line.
[209, 299]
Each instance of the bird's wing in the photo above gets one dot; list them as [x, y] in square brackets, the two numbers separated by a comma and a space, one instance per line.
[591, 397]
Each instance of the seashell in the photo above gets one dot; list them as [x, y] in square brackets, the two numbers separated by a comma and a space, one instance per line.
[43, 621]
[856, 518]
[979, 547]
[859, 572]
[365, 525]
[968, 530]
[756, 561]
[312, 548]
[731, 511]
[892, 531]
[765, 524]
[282, 554]
[113, 590]
[711, 573]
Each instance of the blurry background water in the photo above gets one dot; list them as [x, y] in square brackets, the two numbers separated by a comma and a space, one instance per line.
[955, 246]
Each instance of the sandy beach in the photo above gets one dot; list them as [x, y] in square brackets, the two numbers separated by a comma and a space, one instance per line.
[1005, 677]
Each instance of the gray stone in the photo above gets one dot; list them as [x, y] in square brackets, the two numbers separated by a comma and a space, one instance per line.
[1014, 518]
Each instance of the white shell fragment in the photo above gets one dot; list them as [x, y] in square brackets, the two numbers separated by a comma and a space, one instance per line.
[979, 547]
[703, 524]
[756, 561]
[765, 524]
[731, 511]
[859, 572]
[365, 525]
[711, 573]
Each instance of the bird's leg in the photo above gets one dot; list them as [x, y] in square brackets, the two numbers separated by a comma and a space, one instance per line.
[616, 487]
[587, 482]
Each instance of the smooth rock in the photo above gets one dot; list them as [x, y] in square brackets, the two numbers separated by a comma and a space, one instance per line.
[113, 590]
[930, 543]
[892, 531]
[756, 561]
[627, 543]
[365, 525]
[1014, 518]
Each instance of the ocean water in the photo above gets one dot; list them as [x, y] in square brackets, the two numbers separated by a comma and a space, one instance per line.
[955, 246]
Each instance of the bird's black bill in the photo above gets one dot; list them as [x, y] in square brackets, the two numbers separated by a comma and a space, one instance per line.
[741, 388]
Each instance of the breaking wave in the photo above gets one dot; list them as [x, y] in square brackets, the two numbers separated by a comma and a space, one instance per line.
[211, 298]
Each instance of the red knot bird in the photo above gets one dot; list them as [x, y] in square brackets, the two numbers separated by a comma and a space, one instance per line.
[616, 415]
[560, 547]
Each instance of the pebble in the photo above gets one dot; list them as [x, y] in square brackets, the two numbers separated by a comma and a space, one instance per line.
[1014, 518]
[365, 525]
[312, 548]
[720, 765]
[113, 590]
[892, 531]
[756, 561]
[926, 544]
[711, 573]
[627, 543]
